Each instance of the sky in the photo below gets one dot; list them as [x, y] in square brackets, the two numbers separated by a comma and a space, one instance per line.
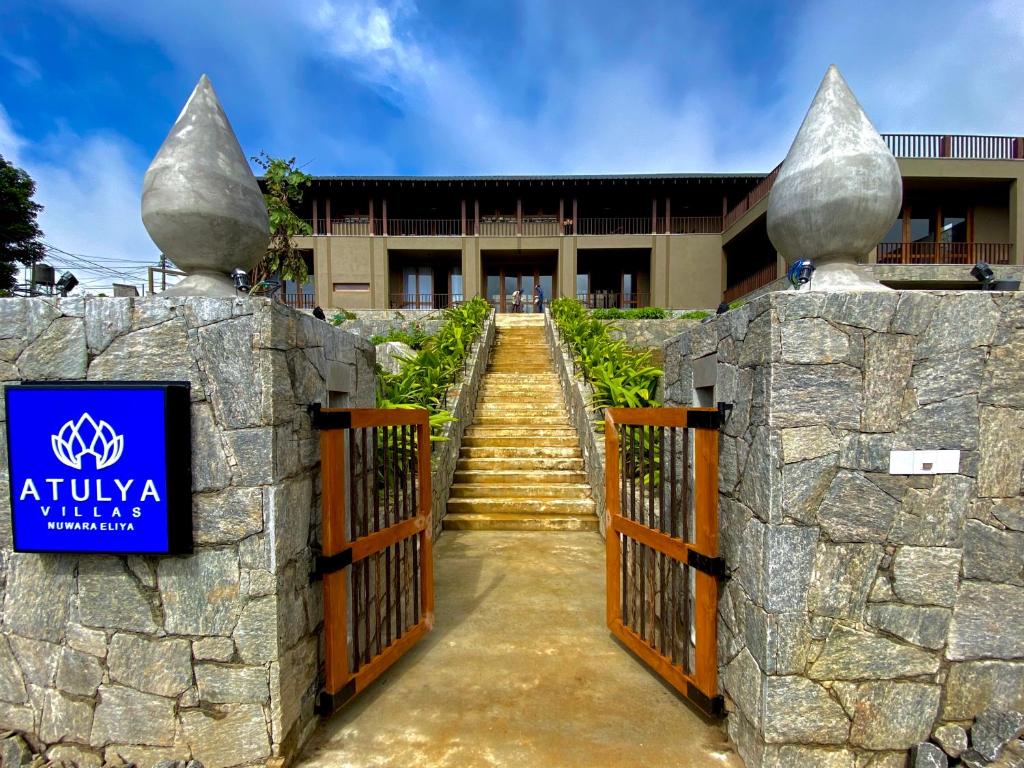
[89, 88]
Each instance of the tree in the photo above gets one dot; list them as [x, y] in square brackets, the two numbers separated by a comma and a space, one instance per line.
[282, 185]
[19, 232]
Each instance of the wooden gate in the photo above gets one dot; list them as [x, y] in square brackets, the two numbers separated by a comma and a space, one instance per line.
[376, 561]
[662, 542]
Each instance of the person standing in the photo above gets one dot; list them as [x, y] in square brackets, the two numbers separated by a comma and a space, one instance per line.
[538, 298]
[517, 300]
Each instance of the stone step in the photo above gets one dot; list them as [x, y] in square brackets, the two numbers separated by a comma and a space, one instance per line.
[520, 476]
[499, 522]
[517, 506]
[514, 408]
[492, 431]
[510, 490]
[527, 440]
[519, 451]
[519, 464]
[517, 397]
[519, 420]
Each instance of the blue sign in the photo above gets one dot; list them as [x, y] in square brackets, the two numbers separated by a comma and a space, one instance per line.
[100, 467]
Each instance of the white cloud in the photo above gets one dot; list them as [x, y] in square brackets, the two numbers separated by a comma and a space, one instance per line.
[90, 188]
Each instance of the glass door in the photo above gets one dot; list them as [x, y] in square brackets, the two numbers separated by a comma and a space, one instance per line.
[494, 293]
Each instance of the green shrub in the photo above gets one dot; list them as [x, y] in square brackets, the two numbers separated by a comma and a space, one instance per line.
[413, 335]
[422, 381]
[644, 313]
[695, 314]
[621, 376]
[341, 316]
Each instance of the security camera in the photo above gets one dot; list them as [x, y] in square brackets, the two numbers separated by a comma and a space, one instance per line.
[800, 272]
[241, 280]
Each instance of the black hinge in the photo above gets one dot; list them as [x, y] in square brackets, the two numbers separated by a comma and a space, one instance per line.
[320, 419]
[708, 419]
[324, 565]
[714, 566]
[714, 705]
[328, 703]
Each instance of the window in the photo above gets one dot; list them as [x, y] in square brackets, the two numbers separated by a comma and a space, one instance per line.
[456, 284]
[582, 285]
[954, 225]
[922, 228]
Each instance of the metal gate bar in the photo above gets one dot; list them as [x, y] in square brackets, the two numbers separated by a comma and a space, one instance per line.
[376, 561]
[662, 542]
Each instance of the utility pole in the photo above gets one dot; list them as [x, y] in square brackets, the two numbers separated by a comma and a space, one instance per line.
[163, 272]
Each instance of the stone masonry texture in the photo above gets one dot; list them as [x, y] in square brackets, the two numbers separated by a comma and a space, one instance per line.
[865, 611]
[215, 655]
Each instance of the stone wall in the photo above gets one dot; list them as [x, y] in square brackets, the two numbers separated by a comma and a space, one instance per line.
[864, 609]
[577, 396]
[461, 402]
[648, 334]
[212, 655]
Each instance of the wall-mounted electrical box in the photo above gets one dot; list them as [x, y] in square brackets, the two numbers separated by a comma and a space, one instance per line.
[924, 462]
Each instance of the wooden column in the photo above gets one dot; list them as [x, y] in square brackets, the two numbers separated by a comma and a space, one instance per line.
[668, 215]
[519, 215]
[575, 217]
[327, 215]
[476, 216]
[725, 205]
[384, 216]
[315, 212]
[654, 215]
[463, 216]
[372, 227]
[561, 216]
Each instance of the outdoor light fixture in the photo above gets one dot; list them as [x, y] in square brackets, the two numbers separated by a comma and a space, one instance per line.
[983, 273]
[800, 272]
[241, 280]
[66, 284]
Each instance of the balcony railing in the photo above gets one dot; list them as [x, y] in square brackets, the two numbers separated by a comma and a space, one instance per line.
[933, 145]
[614, 300]
[752, 198]
[691, 225]
[944, 253]
[298, 300]
[634, 225]
[763, 276]
[424, 227]
[909, 145]
[425, 300]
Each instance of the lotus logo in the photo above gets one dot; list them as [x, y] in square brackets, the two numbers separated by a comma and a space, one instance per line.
[77, 438]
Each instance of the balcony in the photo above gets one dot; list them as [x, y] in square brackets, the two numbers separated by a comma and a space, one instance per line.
[908, 145]
[298, 300]
[425, 300]
[762, 277]
[944, 253]
[614, 300]
[510, 226]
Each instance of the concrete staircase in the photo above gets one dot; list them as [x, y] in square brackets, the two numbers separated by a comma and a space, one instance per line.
[520, 467]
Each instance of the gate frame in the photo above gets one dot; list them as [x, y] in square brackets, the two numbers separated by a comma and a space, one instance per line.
[338, 553]
[700, 687]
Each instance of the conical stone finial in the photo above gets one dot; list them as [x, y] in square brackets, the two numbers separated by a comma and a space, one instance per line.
[838, 192]
[201, 203]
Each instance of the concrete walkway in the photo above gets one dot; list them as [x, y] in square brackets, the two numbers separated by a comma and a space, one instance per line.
[519, 671]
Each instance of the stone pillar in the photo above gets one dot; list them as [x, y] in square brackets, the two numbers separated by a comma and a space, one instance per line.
[864, 608]
[214, 654]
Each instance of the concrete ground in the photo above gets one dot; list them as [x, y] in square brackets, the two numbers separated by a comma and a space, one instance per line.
[519, 671]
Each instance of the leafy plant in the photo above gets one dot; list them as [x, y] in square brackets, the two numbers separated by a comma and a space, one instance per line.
[422, 380]
[282, 183]
[413, 335]
[621, 376]
[642, 313]
[341, 316]
[696, 314]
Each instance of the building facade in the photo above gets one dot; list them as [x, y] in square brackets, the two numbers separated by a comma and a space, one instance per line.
[681, 241]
